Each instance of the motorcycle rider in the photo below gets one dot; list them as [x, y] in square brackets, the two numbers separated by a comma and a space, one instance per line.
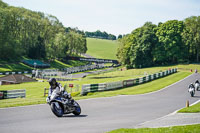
[58, 87]
[191, 86]
[197, 81]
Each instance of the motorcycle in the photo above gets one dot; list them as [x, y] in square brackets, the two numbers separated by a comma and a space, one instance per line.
[191, 91]
[60, 105]
[197, 86]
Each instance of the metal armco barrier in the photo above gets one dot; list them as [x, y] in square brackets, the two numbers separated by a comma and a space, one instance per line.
[127, 83]
[94, 87]
[1, 95]
[9, 73]
[86, 88]
[114, 85]
[13, 94]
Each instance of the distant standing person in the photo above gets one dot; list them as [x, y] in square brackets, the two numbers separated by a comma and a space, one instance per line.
[33, 73]
[196, 71]
[36, 73]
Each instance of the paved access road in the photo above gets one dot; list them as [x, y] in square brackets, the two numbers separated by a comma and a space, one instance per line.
[84, 74]
[100, 114]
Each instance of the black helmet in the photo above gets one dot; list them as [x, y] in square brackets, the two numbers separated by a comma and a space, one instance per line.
[52, 81]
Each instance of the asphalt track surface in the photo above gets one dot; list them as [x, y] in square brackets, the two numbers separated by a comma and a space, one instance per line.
[100, 114]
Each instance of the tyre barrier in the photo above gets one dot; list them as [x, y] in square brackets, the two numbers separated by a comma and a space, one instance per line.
[86, 88]
[7, 94]
[9, 73]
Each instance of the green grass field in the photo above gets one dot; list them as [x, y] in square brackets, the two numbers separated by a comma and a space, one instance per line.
[101, 48]
[143, 88]
[175, 129]
[22, 67]
[14, 67]
[192, 109]
[35, 90]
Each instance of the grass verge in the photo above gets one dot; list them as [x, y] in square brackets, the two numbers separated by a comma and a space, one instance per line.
[192, 109]
[141, 89]
[101, 48]
[14, 67]
[56, 64]
[175, 129]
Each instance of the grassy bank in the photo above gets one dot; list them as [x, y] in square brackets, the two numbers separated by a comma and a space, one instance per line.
[143, 88]
[14, 67]
[175, 129]
[101, 48]
[192, 109]
[56, 64]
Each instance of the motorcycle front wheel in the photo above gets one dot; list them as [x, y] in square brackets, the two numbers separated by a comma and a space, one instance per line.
[77, 110]
[56, 109]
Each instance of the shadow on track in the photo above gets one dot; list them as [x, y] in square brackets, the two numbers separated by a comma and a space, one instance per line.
[196, 96]
[73, 116]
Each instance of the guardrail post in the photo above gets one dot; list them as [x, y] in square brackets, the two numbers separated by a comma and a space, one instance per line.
[94, 87]
[167, 72]
[45, 89]
[158, 75]
[137, 81]
[163, 73]
[154, 76]
[149, 77]
[144, 79]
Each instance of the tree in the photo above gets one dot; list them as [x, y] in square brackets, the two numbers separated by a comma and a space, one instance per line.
[3, 5]
[136, 50]
[75, 43]
[191, 37]
[119, 36]
[9, 46]
[36, 35]
[101, 35]
[170, 47]
[123, 50]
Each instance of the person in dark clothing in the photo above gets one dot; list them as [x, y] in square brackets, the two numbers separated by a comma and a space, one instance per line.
[197, 81]
[57, 87]
[191, 86]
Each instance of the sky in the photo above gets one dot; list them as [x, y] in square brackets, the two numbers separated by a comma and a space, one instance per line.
[113, 16]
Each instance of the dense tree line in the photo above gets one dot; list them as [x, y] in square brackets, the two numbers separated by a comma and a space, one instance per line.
[166, 43]
[36, 35]
[101, 35]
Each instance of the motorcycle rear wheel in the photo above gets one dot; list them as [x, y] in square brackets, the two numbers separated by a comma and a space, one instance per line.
[192, 94]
